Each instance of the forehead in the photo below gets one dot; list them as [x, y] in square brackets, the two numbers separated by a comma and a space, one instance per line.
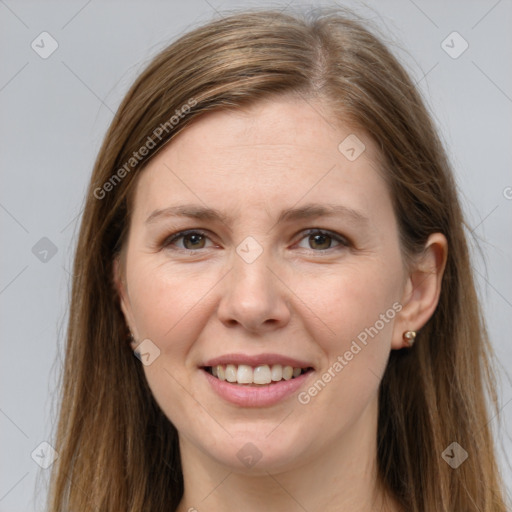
[275, 153]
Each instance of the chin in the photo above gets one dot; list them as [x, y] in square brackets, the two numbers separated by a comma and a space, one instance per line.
[258, 453]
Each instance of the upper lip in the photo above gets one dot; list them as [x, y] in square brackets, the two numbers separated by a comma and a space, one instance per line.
[257, 360]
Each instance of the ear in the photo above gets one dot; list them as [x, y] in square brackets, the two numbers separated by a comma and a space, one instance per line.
[122, 293]
[422, 289]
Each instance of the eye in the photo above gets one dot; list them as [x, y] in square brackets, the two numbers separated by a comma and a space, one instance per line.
[319, 240]
[190, 240]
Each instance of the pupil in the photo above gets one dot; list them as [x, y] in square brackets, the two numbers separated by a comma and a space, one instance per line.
[320, 240]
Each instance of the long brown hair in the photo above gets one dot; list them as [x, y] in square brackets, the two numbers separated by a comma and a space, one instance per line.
[117, 450]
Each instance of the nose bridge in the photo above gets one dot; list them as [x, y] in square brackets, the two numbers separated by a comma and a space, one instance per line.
[253, 296]
[252, 274]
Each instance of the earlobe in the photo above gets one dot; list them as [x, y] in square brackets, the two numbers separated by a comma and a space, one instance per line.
[422, 291]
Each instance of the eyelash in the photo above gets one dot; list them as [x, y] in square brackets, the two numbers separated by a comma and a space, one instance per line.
[342, 241]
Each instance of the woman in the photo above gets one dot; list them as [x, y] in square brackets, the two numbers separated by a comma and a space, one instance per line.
[272, 228]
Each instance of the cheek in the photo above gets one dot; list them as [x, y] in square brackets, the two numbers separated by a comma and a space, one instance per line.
[166, 303]
[354, 312]
[170, 308]
[350, 299]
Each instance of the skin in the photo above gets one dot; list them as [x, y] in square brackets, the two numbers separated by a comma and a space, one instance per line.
[303, 297]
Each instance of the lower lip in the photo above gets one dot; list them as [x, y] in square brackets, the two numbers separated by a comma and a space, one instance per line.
[256, 396]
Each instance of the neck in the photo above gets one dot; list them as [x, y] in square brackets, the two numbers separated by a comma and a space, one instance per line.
[342, 478]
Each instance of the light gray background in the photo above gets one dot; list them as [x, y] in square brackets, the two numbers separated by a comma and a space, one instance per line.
[55, 112]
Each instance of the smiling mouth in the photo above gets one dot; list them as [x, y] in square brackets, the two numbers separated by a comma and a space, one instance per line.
[261, 375]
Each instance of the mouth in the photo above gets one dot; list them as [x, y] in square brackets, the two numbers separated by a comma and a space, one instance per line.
[255, 376]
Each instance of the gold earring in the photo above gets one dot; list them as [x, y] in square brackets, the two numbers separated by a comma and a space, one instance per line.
[409, 337]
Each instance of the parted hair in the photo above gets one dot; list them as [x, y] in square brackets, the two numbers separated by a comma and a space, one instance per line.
[117, 449]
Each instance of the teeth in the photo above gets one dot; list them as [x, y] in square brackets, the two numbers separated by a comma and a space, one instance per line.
[263, 374]
[244, 374]
[231, 373]
[287, 372]
[277, 372]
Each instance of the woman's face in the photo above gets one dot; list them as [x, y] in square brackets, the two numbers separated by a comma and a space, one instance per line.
[290, 257]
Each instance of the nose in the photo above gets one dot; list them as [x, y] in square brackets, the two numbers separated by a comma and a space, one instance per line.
[254, 297]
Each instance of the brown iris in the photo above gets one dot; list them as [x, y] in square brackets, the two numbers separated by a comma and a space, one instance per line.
[196, 241]
[321, 240]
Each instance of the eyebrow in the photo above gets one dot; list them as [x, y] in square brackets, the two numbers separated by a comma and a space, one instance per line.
[307, 211]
